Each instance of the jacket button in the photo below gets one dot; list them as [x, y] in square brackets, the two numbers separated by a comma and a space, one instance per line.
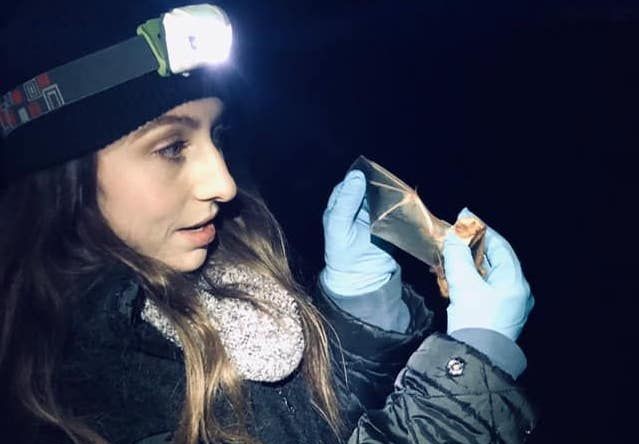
[455, 366]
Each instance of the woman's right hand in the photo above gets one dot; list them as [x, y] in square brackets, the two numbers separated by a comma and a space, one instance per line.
[501, 301]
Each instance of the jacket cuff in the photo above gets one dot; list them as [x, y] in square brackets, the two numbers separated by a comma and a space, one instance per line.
[501, 351]
[457, 381]
[446, 359]
[366, 339]
[382, 308]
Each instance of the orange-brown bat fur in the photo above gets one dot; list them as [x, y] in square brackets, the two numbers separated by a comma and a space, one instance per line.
[472, 231]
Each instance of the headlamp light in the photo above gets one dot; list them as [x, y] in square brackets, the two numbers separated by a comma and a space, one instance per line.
[179, 41]
[188, 38]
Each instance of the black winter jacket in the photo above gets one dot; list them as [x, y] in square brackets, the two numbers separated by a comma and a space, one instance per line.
[127, 382]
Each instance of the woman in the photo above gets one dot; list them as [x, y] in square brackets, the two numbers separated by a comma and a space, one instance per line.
[146, 299]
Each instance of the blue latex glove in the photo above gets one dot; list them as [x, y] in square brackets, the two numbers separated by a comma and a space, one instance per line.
[354, 265]
[501, 301]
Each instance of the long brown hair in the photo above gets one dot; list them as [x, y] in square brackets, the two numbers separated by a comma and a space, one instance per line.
[55, 244]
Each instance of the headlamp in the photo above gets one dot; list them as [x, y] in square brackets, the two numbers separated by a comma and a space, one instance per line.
[178, 42]
[188, 38]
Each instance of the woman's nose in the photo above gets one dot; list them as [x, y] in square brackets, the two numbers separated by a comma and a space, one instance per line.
[213, 181]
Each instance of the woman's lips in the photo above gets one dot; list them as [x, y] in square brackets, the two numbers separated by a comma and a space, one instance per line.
[200, 236]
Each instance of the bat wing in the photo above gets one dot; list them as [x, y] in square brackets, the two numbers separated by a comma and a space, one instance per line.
[383, 189]
[398, 215]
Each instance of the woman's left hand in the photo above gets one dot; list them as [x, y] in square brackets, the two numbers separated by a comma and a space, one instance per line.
[501, 301]
[354, 265]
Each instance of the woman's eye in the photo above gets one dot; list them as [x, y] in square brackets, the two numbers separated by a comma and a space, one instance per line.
[173, 152]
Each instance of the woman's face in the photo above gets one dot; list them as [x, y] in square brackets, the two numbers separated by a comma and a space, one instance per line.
[161, 180]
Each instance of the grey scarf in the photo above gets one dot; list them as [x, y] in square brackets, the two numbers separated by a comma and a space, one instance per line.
[263, 346]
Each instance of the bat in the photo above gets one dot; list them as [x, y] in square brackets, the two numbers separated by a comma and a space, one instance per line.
[400, 217]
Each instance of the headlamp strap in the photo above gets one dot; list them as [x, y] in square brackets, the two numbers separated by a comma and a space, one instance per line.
[196, 35]
[76, 80]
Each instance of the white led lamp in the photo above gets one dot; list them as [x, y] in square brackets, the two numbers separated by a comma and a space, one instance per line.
[178, 42]
[188, 38]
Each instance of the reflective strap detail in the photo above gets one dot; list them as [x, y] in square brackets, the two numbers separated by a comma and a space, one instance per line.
[74, 81]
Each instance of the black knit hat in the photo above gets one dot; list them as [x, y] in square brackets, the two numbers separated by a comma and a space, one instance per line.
[38, 36]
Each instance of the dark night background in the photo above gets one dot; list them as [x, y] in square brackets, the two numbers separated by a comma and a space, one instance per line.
[524, 112]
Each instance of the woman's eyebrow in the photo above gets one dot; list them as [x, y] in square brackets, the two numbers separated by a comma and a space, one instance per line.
[165, 120]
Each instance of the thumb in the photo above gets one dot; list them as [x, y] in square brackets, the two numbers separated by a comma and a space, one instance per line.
[459, 265]
[348, 201]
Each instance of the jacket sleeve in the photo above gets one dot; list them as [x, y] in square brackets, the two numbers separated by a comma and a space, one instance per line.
[366, 358]
[384, 308]
[449, 392]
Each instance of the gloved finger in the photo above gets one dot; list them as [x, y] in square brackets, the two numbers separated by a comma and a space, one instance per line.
[333, 197]
[465, 212]
[505, 266]
[348, 201]
[331, 203]
[530, 304]
[487, 264]
[459, 265]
